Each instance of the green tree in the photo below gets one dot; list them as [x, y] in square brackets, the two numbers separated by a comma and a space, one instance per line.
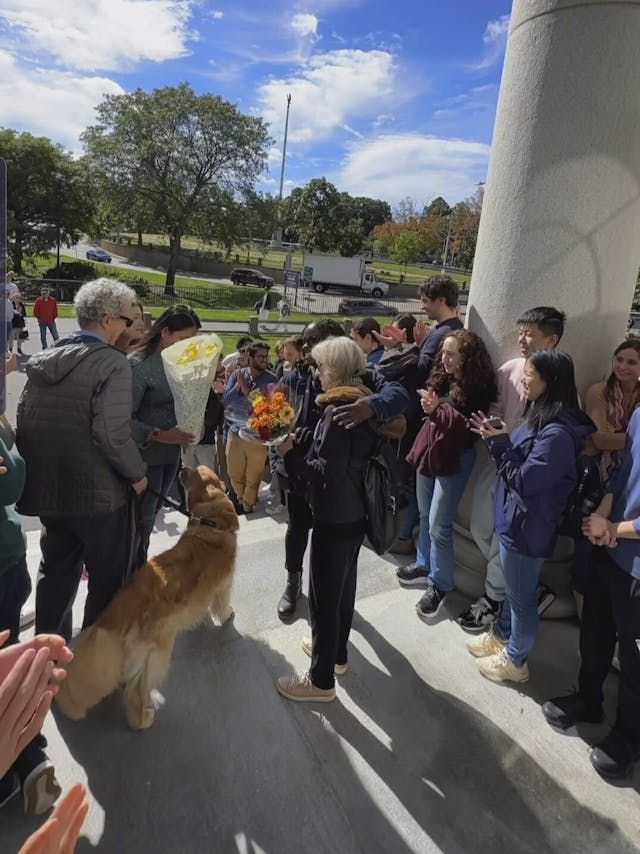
[50, 200]
[437, 208]
[176, 150]
[371, 212]
[465, 221]
[407, 247]
[318, 214]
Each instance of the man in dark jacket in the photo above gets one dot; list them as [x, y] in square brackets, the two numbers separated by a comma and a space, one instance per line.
[74, 433]
[387, 401]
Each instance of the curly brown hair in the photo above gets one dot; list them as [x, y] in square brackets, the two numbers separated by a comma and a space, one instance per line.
[476, 389]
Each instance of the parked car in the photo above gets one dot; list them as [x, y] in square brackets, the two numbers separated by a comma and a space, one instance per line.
[367, 307]
[98, 254]
[246, 276]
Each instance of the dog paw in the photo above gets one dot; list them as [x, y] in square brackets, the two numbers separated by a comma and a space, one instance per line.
[221, 617]
[143, 719]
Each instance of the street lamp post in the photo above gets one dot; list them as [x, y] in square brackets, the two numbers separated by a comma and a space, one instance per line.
[445, 251]
[276, 241]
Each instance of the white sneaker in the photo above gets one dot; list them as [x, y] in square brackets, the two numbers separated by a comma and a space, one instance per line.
[338, 669]
[275, 509]
[27, 617]
[40, 789]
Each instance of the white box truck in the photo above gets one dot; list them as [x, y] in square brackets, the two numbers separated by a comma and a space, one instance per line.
[333, 272]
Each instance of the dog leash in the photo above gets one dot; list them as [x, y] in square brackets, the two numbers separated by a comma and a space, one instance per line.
[169, 502]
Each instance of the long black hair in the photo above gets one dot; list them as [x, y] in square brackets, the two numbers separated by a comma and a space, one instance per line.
[174, 318]
[560, 395]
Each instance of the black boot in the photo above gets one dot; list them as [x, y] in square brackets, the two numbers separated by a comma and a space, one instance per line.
[287, 604]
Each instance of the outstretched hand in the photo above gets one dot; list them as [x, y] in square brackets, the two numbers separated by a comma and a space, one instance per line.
[59, 834]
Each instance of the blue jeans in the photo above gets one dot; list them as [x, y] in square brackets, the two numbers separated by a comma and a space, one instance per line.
[43, 332]
[518, 622]
[8, 330]
[438, 499]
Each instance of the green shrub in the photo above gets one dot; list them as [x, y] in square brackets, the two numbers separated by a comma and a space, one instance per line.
[71, 271]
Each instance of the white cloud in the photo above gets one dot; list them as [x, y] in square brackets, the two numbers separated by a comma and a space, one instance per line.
[332, 89]
[393, 166]
[495, 39]
[104, 34]
[55, 104]
[496, 31]
[304, 24]
[217, 14]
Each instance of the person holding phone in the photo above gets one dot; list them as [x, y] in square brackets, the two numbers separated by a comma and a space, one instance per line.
[536, 475]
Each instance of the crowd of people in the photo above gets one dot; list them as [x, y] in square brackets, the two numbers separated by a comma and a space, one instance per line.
[431, 395]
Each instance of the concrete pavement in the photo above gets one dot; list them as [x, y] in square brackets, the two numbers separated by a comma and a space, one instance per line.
[417, 754]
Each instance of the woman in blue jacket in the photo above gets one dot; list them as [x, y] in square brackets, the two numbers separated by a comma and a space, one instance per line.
[537, 473]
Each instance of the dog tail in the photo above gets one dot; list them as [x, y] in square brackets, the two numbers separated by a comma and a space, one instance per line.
[93, 674]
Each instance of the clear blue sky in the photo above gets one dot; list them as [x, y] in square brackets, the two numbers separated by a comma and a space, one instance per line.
[389, 99]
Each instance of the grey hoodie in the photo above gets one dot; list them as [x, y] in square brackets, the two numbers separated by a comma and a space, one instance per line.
[74, 430]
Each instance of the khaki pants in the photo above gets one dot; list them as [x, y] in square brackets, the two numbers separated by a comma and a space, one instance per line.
[245, 464]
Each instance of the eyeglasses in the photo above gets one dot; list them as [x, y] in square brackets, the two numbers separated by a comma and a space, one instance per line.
[128, 321]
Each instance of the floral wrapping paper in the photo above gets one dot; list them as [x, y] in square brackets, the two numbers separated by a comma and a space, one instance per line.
[190, 368]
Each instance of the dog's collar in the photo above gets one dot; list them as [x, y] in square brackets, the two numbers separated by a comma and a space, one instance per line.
[200, 520]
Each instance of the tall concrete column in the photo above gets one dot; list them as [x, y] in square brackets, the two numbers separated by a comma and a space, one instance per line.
[561, 216]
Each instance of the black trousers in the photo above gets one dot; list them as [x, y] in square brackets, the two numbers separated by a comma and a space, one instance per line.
[102, 544]
[332, 595]
[298, 527]
[611, 612]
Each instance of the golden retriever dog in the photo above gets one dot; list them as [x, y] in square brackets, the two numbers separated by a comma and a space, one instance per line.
[131, 643]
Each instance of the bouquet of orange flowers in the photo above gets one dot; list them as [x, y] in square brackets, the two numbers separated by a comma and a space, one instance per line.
[271, 417]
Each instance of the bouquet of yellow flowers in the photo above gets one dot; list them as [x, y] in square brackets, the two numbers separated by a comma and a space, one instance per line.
[271, 417]
[190, 368]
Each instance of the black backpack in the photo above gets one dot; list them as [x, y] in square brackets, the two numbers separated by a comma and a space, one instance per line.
[379, 498]
[584, 499]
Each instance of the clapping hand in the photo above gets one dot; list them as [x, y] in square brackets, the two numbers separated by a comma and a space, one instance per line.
[59, 834]
[390, 337]
[485, 426]
[3, 469]
[420, 332]
[429, 400]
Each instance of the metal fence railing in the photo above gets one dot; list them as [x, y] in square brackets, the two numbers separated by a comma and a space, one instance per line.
[230, 297]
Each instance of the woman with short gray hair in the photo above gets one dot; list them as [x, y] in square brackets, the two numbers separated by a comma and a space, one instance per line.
[333, 462]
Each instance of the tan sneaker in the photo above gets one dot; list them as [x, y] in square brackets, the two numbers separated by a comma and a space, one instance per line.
[500, 668]
[302, 690]
[485, 644]
[338, 669]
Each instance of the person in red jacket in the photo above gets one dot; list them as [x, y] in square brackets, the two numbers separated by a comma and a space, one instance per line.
[45, 309]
